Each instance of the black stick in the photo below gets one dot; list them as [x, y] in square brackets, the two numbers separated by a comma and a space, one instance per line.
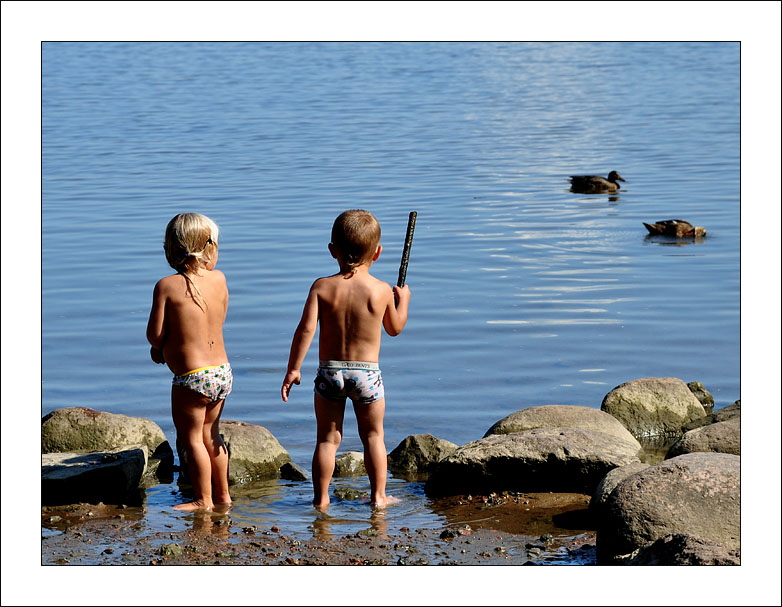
[406, 251]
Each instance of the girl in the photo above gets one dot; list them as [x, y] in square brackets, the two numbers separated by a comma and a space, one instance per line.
[186, 331]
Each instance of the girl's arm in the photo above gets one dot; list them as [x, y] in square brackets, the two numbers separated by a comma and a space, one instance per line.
[156, 326]
[395, 318]
[302, 339]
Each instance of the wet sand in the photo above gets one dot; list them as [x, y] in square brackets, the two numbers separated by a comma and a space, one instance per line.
[496, 529]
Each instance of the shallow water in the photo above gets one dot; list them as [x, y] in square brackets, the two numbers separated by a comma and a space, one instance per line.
[523, 293]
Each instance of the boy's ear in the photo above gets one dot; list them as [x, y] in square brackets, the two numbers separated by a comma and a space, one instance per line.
[332, 250]
[377, 253]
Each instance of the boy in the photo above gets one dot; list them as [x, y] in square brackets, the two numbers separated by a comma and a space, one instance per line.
[352, 307]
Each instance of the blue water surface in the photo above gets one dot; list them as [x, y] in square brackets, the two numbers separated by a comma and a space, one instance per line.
[523, 293]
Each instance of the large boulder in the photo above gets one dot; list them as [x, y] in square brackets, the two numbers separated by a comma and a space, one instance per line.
[697, 493]
[80, 429]
[561, 416]
[417, 454]
[544, 459]
[682, 549]
[653, 406]
[254, 452]
[721, 415]
[722, 437]
[609, 483]
[111, 477]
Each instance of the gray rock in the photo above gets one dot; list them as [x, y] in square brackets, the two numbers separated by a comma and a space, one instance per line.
[350, 463]
[722, 437]
[544, 459]
[254, 452]
[293, 472]
[653, 406]
[83, 430]
[682, 549]
[721, 415]
[561, 416]
[417, 454]
[609, 483]
[702, 394]
[696, 493]
[111, 477]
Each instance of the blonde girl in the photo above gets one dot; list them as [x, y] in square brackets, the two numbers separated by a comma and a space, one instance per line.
[185, 330]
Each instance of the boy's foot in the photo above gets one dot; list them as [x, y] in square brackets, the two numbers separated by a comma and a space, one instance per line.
[385, 501]
[223, 507]
[192, 507]
[322, 506]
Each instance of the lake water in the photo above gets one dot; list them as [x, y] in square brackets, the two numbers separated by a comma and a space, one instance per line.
[523, 293]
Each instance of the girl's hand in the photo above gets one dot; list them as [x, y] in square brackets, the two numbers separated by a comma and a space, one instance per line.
[157, 356]
[292, 377]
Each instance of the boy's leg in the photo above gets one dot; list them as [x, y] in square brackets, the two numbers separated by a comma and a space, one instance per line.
[370, 430]
[188, 409]
[218, 453]
[329, 416]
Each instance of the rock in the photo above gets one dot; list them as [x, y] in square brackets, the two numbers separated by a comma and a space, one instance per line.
[254, 452]
[350, 463]
[722, 437]
[543, 459]
[111, 477]
[682, 549]
[293, 472]
[83, 430]
[720, 415]
[345, 494]
[417, 454]
[696, 493]
[172, 549]
[609, 483]
[702, 394]
[561, 416]
[653, 406]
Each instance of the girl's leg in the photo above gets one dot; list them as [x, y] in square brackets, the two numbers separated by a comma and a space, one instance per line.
[188, 409]
[218, 453]
[370, 430]
[329, 416]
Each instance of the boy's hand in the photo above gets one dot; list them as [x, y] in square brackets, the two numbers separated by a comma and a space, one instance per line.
[401, 294]
[292, 377]
[157, 356]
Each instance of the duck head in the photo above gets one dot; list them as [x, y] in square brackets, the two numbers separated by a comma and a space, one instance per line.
[613, 177]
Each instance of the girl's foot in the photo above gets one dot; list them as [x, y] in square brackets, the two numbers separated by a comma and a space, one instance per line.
[385, 501]
[193, 506]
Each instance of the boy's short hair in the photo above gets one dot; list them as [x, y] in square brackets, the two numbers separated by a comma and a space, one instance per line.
[355, 235]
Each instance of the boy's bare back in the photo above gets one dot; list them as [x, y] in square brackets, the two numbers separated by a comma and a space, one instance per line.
[353, 309]
[193, 337]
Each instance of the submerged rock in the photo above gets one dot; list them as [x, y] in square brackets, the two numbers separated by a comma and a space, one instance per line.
[417, 454]
[653, 406]
[543, 459]
[697, 493]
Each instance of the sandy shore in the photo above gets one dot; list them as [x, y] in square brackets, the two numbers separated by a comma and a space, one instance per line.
[506, 529]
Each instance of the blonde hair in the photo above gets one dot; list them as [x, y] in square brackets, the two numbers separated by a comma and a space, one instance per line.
[355, 235]
[190, 243]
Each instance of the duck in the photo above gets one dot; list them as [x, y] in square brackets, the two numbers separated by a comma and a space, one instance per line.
[594, 184]
[676, 227]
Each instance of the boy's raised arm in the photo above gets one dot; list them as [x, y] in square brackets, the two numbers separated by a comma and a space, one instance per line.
[302, 339]
[395, 318]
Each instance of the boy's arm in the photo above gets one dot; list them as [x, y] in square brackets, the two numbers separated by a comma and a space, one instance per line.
[395, 318]
[156, 325]
[302, 339]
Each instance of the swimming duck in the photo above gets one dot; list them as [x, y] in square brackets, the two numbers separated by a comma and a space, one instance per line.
[675, 227]
[594, 184]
